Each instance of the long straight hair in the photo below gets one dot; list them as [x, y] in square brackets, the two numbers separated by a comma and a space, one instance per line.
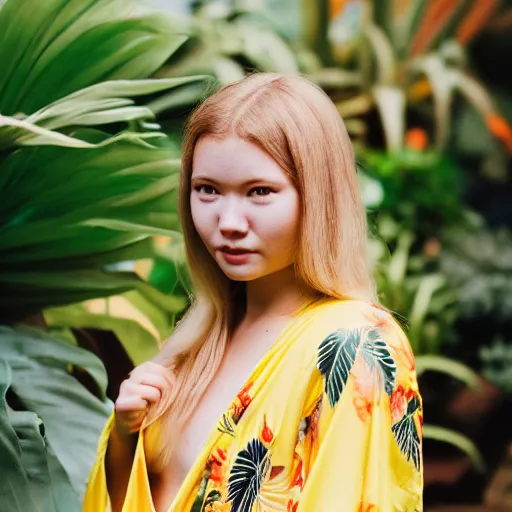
[295, 122]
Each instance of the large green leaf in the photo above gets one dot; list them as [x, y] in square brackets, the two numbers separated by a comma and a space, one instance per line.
[119, 195]
[460, 441]
[20, 132]
[454, 369]
[384, 54]
[72, 416]
[15, 489]
[141, 319]
[108, 102]
[429, 284]
[70, 45]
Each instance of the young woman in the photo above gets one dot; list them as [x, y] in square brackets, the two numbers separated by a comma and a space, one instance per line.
[286, 387]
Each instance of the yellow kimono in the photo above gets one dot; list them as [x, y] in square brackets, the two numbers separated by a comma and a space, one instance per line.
[329, 421]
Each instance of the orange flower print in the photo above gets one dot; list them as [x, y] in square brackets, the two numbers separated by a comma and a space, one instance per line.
[379, 318]
[216, 462]
[241, 402]
[292, 506]
[366, 389]
[367, 508]
[243, 395]
[266, 434]
[363, 407]
[398, 404]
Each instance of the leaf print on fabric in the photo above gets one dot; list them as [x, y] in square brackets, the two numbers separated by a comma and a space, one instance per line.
[249, 469]
[406, 434]
[337, 354]
[375, 352]
[226, 426]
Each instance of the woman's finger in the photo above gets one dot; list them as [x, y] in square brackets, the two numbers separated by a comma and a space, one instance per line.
[151, 368]
[151, 379]
[149, 393]
[127, 403]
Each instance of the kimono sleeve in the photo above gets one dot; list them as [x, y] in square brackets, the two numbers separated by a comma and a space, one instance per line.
[366, 451]
[138, 493]
[96, 496]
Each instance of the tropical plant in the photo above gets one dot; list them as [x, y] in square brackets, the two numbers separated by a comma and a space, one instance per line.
[408, 60]
[477, 261]
[430, 306]
[227, 41]
[496, 360]
[422, 188]
[86, 180]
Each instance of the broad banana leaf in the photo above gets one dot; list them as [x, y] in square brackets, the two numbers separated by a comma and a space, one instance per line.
[51, 49]
[75, 200]
[141, 319]
[51, 437]
[140, 323]
[68, 209]
[32, 476]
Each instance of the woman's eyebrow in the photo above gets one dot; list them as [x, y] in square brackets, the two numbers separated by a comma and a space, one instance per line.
[247, 183]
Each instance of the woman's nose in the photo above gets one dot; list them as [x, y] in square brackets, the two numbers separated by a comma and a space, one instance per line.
[232, 219]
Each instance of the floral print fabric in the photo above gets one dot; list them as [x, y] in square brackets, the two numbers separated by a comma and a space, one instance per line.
[329, 421]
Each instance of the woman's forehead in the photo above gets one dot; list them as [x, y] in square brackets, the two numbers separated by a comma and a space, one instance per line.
[233, 158]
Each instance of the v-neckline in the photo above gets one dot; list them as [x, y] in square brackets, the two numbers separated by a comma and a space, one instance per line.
[214, 434]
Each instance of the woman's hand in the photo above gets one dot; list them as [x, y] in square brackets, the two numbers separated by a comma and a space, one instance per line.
[144, 388]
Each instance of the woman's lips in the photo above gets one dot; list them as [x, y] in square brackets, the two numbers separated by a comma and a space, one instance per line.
[235, 256]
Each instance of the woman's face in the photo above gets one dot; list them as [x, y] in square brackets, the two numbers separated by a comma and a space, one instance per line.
[244, 207]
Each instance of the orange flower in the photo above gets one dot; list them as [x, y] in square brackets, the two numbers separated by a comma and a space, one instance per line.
[416, 138]
[499, 127]
[336, 7]
[432, 247]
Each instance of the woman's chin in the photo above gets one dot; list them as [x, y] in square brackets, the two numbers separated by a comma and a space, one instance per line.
[240, 275]
[240, 272]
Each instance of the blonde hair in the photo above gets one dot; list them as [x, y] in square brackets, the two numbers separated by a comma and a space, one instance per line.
[295, 122]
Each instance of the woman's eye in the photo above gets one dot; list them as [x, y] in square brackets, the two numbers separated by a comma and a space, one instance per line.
[260, 191]
[206, 189]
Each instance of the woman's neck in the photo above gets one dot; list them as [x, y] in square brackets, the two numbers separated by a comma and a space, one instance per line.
[277, 294]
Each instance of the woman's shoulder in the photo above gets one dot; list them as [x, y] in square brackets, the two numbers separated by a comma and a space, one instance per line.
[352, 313]
[353, 324]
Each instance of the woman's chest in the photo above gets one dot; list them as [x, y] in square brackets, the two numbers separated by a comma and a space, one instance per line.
[229, 388]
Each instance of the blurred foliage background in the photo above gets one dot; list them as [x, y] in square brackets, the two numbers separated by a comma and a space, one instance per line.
[93, 96]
